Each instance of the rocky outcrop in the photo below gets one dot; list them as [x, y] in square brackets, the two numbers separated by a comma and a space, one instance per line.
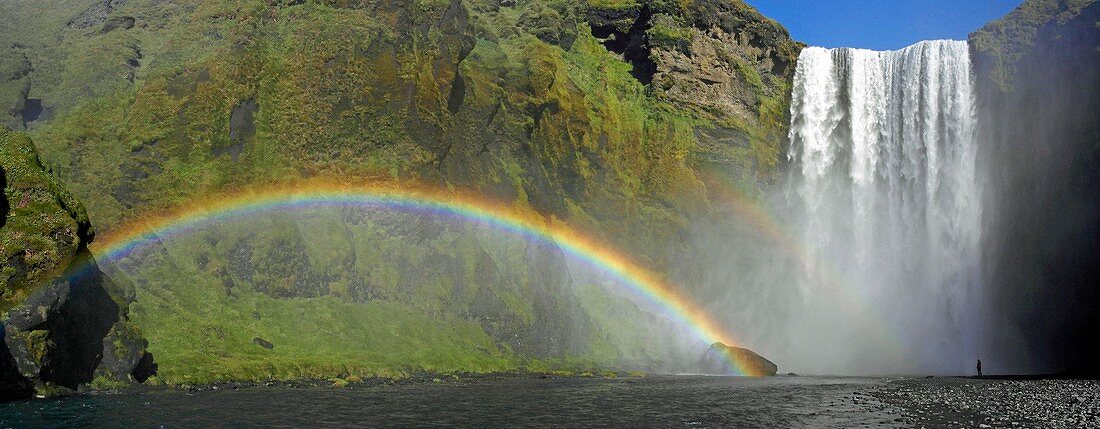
[95, 14]
[15, 85]
[63, 322]
[721, 59]
[720, 359]
[44, 228]
[1038, 71]
[724, 58]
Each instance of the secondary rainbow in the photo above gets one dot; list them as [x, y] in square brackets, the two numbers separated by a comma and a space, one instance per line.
[120, 242]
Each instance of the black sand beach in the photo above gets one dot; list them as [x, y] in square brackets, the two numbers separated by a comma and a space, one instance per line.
[994, 402]
[531, 402]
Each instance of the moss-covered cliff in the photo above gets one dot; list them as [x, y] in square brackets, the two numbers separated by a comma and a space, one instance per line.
[1038, 71]
[62, 323]
[43, 226]
[603, 115]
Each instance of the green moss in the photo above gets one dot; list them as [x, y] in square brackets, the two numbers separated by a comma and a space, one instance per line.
[201, 335]
[106, 383]
[44, 225]
[666, 33]
[613, 4]
[50, 390]
[521, 104]
[37, 345]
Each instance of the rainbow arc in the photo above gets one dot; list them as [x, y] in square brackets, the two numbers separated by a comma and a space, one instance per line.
[122, 241]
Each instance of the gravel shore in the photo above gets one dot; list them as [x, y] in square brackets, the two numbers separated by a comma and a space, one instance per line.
[993, 403]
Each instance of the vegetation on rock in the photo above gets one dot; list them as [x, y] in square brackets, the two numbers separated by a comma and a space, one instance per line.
[1001, 45]
[600, 114]
[62, 323]
[43, 226]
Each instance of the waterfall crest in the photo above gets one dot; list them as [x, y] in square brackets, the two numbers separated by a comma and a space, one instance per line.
[882, 188]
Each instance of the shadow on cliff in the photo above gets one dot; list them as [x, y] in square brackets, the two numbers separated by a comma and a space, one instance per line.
[1043, 158]
[70, 332]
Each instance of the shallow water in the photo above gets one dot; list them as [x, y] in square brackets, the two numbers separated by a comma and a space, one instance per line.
[655, 401]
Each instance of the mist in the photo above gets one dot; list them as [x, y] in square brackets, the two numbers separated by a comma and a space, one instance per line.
[1041, 166]
[932, 212]
[875, 267]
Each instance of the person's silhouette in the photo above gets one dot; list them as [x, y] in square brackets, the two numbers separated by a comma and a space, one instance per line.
[979, 367]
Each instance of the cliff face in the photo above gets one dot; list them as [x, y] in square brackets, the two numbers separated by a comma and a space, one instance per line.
[1038, 72]
[721, 60]
[64, 323]
[599, 114]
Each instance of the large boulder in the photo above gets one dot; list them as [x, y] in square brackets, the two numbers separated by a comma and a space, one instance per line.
[720, 359]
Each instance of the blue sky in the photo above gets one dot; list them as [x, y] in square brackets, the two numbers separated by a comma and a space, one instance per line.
[881, 24]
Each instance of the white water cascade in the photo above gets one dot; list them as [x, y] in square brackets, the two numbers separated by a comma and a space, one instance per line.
[884, 193]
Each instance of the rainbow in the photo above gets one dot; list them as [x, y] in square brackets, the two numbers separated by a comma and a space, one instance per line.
[122, 241]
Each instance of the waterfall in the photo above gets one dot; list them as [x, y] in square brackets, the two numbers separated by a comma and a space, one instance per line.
[882, 190]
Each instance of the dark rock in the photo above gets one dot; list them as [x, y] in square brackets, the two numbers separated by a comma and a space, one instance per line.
[730, 59]
[59, 331]
[263, 343]
[15, 86]
[623, 31]
[242, 129]
[117, 22]
[33, 110]
[95, 14]
[606, 21]
[145, 368]
[123, 349]
[71, 331]
[13, 385]
[458, 94]
[720, 359]
[35, 309]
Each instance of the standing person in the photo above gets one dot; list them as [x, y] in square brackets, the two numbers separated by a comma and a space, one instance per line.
[979, 367]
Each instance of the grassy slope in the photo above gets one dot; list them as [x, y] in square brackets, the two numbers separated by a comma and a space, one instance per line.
[367, 91]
